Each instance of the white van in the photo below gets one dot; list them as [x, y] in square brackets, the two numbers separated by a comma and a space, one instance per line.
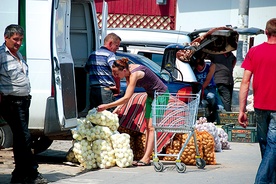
[149, 42]
[60, 35]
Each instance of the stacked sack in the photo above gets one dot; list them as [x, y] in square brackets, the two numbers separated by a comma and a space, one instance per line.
[104, 154]
[203, 125]
[219, 135]
[104, 118]
[137, 142]
[84, 154]
[123, 152]
[189, 154]
[82, 145]
[93, 146]
[205, 144]
[223, 139]
[208, 147]
[173, 148]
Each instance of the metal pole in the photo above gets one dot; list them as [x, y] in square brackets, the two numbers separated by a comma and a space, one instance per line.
[22, 22]
[243, 23]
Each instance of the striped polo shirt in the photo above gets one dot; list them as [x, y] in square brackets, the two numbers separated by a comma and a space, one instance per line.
[99, 67]
[13, 74]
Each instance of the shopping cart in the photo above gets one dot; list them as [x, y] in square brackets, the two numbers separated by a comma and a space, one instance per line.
[177, 116]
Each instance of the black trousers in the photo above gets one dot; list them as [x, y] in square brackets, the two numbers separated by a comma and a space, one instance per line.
[15, 110]
[226, 93]
[101, 95]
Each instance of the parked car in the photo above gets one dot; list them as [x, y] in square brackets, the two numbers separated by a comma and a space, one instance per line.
[153, 53]
[149, 42]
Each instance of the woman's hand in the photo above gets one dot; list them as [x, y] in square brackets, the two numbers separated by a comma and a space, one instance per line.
[102, 107]
[117, 110]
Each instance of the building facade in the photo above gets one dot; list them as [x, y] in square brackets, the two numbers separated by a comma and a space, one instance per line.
[139, 14]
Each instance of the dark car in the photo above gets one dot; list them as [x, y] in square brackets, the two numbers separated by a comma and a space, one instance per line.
[174, 86]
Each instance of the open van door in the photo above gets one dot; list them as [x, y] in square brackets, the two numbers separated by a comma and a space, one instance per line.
[104, 22]
[74, 36]
[64, 87]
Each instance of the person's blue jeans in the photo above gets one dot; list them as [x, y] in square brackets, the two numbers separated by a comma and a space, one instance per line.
[266, 133]
[15, 110]
[219, 102]
[210, 96]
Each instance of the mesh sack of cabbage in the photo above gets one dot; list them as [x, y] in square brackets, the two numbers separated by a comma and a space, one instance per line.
[94, 149]
[84, 154]
[93, 146]
[83, 130]
[70, 156]
[104, 118]
[123, 152]
[104, 154]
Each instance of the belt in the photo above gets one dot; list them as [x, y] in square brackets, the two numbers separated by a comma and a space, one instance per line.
[12, 97]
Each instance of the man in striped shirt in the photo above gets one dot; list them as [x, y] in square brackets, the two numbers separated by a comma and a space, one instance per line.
[103, 86]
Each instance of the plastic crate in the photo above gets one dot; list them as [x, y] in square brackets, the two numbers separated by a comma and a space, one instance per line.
[202, 112]
[228, 118]
[251, 118]
[240, 134]
[232, 118]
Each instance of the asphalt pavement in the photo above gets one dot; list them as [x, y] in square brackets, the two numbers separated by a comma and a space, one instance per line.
[235, 166]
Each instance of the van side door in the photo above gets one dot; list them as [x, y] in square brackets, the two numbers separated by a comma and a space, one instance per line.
[63, 65]
[75, 36]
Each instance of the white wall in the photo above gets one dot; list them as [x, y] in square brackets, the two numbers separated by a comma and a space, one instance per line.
[8, 14]
[198, 14]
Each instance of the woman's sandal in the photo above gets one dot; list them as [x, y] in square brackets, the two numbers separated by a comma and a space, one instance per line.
[141, 163]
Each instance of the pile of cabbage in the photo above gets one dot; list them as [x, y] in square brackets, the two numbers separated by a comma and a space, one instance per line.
[98, 144]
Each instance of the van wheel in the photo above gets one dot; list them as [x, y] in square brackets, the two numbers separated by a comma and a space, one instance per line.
[41, 144]
[6, 137]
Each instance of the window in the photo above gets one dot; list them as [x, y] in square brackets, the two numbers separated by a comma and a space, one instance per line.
[156, 57]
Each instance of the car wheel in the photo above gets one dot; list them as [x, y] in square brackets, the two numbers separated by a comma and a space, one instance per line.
[6, 137]
[41, 144]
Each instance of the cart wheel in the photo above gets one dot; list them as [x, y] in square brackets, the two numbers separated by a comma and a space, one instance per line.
[158, 167]
[200, 163]
[181, 167]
